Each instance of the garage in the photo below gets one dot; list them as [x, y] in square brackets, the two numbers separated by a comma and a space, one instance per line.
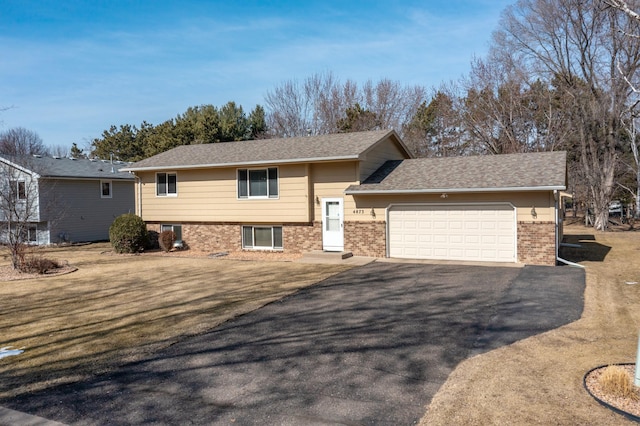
[467, 232]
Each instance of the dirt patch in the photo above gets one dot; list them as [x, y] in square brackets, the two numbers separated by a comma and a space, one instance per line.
[540, 380]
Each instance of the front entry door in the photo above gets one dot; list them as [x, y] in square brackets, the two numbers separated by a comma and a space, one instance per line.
[332, 224]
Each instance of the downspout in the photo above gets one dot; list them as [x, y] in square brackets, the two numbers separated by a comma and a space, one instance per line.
[556, 195]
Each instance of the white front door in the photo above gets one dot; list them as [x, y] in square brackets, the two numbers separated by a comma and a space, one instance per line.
[332, 224]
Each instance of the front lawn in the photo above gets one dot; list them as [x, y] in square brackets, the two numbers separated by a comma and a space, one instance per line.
[118, 308]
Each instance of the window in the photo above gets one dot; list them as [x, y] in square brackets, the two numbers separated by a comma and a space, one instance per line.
[258, 183]
[262, 237]
[177, 229]
[28, 234]
[166, 184]
[33, 233]
[105, 188]
[19, 187]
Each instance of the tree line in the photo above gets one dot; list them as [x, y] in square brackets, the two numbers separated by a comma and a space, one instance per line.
[560, 75]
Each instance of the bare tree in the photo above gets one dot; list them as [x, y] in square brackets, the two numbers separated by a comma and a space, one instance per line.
[19, 209]
[59, 151]
[630, 122]
[578, 46]
[21, 141]
[320, 104]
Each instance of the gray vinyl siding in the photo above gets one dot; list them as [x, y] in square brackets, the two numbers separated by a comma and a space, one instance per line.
[76, 212]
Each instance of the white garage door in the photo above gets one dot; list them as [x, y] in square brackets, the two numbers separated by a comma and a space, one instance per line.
[453, 232]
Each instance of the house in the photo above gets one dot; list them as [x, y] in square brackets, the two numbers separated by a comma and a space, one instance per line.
[359, 192]
[65, 199]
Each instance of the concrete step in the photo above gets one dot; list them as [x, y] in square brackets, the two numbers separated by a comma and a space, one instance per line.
[327, 255]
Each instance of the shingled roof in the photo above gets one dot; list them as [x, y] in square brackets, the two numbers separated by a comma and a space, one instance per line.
[68, 168]
[334, 147]
[487, 173]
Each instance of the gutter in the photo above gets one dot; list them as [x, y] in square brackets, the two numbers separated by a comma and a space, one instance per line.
[451, 190]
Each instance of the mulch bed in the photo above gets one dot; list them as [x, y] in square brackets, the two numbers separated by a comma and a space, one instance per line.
[627, 406]
[7, 273]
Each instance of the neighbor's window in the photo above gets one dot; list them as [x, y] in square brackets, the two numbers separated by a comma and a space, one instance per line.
[166, 184]
[19, 187]
[262, 237]
[33, 234]
[105, 188]
[258, 183]
[177, 229]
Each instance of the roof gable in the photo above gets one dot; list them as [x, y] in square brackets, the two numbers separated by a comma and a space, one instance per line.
[507, 172]
[334, 147]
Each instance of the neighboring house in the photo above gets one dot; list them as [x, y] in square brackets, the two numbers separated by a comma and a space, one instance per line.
[69, 200]
[359, 192]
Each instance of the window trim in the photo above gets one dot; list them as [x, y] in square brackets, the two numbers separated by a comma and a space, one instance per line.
[102, 195]
[247, 179]
[167, 193]
[273, 247]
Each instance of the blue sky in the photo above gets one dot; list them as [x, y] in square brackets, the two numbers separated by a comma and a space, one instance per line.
[69, 69]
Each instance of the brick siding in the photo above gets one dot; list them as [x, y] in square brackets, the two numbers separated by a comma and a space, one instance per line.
[536, 240]
[537, 243]
[366, 238]
[217, 237]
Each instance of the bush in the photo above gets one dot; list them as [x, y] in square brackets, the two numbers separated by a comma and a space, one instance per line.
[38, 265]
[166, 240]
[128, 234]
[153, 242]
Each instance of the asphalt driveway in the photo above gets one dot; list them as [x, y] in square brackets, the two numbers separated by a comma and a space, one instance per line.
[369, 346]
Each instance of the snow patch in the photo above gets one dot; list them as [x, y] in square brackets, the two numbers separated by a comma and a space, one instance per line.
[7, 351]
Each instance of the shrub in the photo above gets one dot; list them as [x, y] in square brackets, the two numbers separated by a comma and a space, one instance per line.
[128, 234]
[38, 265]
[617, 381]
[153, 242]
[166, 240]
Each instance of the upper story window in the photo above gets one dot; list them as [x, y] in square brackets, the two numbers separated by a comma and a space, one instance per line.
[19, 188]
[105, 189]
[166, 184]
[258, 183]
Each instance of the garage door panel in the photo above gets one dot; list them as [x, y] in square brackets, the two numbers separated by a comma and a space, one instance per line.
[455, 232]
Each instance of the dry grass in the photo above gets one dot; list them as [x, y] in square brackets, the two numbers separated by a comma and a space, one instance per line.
[617, 381]
[539, 380]
[117, 308]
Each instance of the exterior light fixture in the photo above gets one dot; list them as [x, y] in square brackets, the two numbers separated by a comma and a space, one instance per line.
[534, 213]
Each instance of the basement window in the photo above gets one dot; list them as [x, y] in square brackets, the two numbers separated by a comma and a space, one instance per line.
[262, 237]
[177, 229]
